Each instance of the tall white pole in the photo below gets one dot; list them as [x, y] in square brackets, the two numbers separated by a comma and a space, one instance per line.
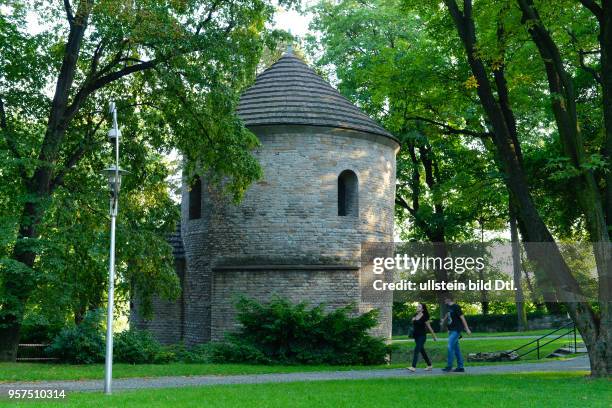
[114, 205]
[108, 371]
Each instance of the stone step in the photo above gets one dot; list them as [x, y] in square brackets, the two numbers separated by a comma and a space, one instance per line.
[563, 351]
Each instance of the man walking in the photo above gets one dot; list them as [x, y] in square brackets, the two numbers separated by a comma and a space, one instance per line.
[456, 323]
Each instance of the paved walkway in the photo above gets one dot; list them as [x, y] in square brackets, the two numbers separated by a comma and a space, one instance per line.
[575, 364]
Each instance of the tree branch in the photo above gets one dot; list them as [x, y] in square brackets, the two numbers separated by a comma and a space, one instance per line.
[451, 130]
[98, 83]
[56, 126]
[590, 70]
[4, 126]
[84, 147]
[95, 59]
[594, 8]
[415, 181]
[105, 80]
[581, 55]
[69, 13]
[116, 59]
[399, 200]
[213, 8]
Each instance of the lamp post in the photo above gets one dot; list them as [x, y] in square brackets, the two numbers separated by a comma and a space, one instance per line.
[114, 174]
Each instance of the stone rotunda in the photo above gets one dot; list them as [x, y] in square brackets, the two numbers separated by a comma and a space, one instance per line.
[328, 186]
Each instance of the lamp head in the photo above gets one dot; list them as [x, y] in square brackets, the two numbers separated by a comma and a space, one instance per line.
[114, 177]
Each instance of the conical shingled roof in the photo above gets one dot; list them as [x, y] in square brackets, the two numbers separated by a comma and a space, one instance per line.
[291, 93]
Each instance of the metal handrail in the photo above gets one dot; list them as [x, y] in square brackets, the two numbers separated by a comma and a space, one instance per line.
[539, 346]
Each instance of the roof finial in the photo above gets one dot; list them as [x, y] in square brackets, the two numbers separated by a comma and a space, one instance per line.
[289, 49]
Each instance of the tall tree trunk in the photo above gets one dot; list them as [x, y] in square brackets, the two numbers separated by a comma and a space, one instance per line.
[604, 16]
[484, 296]
[18, 283]
[561, 85]
[549, 261]
[516, 268]
[39, 189]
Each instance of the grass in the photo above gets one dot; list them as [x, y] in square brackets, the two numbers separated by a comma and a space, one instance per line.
[41, 371]
[437, 349]
[10, 372]
[504, 391]
[490, 334]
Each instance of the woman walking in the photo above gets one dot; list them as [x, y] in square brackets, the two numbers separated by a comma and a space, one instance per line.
[420, 321]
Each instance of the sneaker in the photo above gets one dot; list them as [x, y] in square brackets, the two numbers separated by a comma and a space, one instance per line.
[428, 368]
[447, 369]
[459, 370]
[412, 369]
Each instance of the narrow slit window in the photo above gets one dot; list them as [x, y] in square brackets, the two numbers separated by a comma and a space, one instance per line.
[348, 194]
[195, 199]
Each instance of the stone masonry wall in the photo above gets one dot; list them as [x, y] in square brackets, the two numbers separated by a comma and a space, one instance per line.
[166, 325]
[334, 288]
[288, 217]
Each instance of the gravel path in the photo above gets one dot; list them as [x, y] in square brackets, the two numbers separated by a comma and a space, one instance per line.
[575, 364]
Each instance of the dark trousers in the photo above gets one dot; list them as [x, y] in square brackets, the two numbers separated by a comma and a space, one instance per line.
[419, 347]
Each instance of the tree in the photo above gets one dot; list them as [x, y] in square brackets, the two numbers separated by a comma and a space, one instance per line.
[493, 96]
[446, 189]
[521, 313]
[175, 68]
[489, 86]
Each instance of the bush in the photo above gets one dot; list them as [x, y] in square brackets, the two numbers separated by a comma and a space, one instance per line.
[282, 332]
[82, 344]
[138, 347]
[36, 329]
[234, 352]
[197, 354]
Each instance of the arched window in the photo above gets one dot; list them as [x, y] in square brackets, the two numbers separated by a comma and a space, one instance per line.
[348, 194]
[195, 199]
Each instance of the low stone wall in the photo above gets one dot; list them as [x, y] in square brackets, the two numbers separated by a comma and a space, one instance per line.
[335, 286]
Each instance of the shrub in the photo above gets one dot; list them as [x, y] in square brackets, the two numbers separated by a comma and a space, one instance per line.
[282, 332]
[139, 347]
[38, 330]
[173, 353]
[82, 344]
[234, 352]
[196, 354]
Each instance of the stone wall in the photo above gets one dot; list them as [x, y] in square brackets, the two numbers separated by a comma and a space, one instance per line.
[290, 217]
[166, 324]
[333, 287]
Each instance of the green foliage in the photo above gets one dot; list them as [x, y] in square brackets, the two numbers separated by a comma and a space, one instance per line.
[448, 187]
[82, 344]
[235, 352]
[402, 62]
[287, 333]
[497, 322]
[175, 71]
[138, 347]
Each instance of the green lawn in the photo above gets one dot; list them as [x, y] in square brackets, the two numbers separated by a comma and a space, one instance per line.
[39, 371]
[43, 371]
[508, 390]
[437, 349]
[492, 334]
